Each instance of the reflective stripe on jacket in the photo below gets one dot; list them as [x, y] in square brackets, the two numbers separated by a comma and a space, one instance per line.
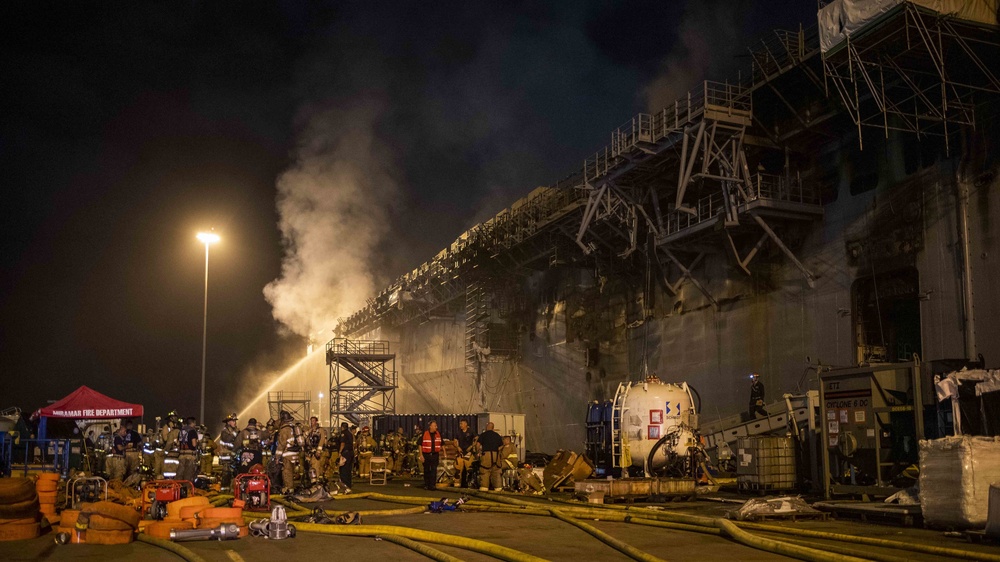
[426, 446]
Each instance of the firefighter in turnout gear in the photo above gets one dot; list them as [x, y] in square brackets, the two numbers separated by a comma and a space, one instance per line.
[465, 440]
[509, 460]
[366, 450]
[226, 443]
[149, 446]
[206, 451]
[318, 453]
[249, 447]
[396, 445]
[489, 464]
[105, 444]
[290, 443]
[333, 456]
[187, 444]
[171, 451]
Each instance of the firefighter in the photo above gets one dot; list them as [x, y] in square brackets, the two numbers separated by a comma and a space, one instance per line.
[171, 451]
[149, 446]
[413, 456]
[133, 448]
[318, 453]
[366, 449]
[226, 443]
[105, 444]
[115, 457]
[249, 447]
[345, 445]
[396, 444]
[509, 460]
[288, 448]
[333, 461]
[187, 445]
[489, 464]
[465, 439]
[206, 451]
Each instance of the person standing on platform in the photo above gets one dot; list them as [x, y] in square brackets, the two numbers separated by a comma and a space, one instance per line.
[756, 397]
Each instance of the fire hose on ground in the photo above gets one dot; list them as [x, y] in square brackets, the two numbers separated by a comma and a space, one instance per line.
[735, 531]
[428, 551]
[179, 550]
[717, 526]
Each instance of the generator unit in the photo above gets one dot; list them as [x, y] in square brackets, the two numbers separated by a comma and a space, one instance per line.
[156, 494]
[872, 421]
[252, 491]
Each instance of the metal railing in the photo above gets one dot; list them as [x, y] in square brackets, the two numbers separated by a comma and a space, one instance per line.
[344, 346]
[762, 187]
[731, 99]
[781, 49]
[35, 455]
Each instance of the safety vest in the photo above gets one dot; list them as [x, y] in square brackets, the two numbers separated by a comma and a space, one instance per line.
[428, 446]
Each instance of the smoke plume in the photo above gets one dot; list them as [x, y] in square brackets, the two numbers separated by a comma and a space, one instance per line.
[709, 34]
[334, 202]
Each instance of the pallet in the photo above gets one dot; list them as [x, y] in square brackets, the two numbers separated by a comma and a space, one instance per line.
[980, 537]
[906, 515]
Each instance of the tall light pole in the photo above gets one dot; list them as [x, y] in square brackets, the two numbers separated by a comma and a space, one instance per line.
[208, 238]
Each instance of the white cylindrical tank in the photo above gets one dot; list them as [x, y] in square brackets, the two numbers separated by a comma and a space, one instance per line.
[650, 410]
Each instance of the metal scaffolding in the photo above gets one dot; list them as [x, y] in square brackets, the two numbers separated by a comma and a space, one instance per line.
[295, 403]
[915, 70]
[724, 170]
[362, 380]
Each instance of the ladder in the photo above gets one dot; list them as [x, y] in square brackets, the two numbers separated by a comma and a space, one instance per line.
[477, 316]
[617, 413]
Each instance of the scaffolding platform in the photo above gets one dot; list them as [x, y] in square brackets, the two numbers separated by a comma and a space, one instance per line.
[362, 380]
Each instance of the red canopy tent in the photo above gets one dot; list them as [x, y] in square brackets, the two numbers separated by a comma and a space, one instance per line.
[86, 403]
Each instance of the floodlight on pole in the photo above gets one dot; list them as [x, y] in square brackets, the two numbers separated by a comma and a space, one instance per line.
[206, 238]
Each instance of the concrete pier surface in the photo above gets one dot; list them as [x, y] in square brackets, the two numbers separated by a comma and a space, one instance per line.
[544, 537]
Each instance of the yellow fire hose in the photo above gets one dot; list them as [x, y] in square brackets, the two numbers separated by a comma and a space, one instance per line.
[866, 554]
[780, 547]
[871, 541]
[493, 502]
[177, 549]
[474, 545]
[607, 539]
[708, 521]
[428, 551]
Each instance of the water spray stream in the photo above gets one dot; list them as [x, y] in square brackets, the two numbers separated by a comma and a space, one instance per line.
[278, 380]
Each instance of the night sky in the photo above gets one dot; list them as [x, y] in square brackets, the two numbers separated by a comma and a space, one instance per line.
[352, 140]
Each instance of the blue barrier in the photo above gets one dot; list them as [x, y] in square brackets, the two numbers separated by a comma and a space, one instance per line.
[6, 442]
[35, 455]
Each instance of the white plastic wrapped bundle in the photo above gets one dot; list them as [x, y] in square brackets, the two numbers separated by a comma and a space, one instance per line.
[955, 478]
